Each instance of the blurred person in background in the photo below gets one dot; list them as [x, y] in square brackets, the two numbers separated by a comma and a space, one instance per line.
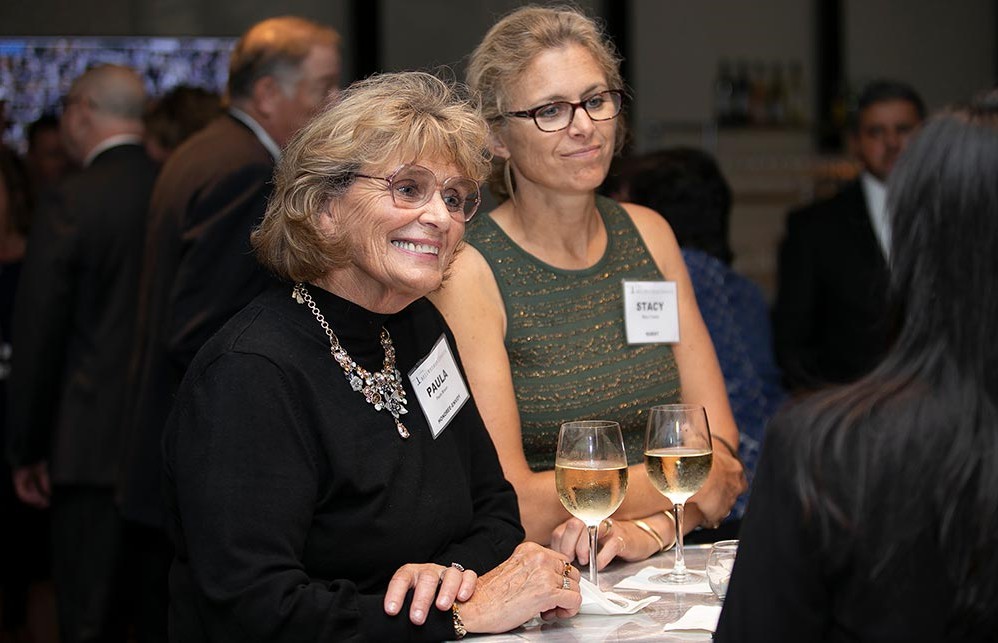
[830, 317]
[874, 512]
[174, 117]
[74, 319]
[198, 267]
[687, 187]
[24, 537]
[46, 160]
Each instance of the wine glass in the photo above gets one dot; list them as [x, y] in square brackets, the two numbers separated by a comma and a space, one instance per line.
[678, 457]
[590, 472]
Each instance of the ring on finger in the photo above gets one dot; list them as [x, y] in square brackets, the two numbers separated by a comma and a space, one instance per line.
[458, 566]
[606, 527]
[566, 583]
[568, 569]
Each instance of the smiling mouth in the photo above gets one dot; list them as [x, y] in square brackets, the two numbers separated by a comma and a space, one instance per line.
[417, 247]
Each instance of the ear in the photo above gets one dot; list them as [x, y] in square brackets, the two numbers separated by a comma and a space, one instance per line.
[266, 93]
[497, 146]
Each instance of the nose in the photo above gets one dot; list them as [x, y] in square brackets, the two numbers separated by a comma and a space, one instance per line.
[435, 213]
[581, 122]
[893, 139]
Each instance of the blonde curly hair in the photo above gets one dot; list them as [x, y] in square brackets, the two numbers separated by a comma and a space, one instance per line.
[406, 115]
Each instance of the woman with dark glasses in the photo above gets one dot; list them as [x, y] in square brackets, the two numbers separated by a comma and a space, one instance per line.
[538, 303]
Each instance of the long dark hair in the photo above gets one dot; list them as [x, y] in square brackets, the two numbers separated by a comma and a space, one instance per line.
[908, 456]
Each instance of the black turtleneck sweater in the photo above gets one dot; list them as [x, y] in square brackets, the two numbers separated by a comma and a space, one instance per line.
[293, 501]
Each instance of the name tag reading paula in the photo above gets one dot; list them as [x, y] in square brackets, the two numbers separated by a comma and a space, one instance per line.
[651, 312]
[439, 387]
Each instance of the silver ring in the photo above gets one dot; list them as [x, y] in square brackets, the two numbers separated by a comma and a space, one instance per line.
[458, 566]
[566, 583]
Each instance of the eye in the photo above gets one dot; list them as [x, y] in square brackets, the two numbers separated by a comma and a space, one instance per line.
[453, 199]
[409, 189]
[550, 111]
[596, 101]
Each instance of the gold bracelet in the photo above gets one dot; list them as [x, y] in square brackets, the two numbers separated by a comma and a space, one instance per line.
[645, 527]
[675, 532]
[459, 630]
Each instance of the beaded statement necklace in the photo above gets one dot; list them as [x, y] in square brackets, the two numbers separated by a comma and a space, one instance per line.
[383, 389]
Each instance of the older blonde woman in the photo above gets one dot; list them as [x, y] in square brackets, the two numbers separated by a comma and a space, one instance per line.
[329, 475]
[536, 303]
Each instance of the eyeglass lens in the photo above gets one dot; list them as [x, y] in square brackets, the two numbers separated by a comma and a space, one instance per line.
[600, 107]
[413, 186]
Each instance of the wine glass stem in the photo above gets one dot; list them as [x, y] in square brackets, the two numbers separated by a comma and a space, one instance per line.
[593, 537]
[679, 568]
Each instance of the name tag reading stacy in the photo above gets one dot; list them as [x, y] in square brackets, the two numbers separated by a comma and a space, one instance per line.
[439, 387]
[651, 312]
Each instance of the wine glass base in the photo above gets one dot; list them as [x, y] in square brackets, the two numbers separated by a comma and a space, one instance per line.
[690, 577]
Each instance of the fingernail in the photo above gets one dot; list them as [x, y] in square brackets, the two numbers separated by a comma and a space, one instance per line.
[418, 614]
[393, 607]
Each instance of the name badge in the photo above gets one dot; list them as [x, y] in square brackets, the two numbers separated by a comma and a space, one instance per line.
[439, 387]
[651, 312]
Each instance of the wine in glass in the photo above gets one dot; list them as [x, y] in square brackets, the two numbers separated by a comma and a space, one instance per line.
[678, 457]
[590, 472]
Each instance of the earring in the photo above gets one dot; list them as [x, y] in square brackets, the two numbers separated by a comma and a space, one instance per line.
[507, 176]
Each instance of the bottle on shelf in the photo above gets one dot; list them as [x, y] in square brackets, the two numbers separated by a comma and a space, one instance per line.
[724, 94]
[757, 98]
[776, 100]
[740, 95]
[796, 110]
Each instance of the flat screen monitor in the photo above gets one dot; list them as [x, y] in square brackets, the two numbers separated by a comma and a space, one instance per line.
[35, 72]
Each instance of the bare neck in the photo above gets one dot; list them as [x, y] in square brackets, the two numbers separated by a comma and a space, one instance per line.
[565, 231]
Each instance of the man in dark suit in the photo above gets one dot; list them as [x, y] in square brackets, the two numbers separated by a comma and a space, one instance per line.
[830, 317]
[74, 320]
[199, 268]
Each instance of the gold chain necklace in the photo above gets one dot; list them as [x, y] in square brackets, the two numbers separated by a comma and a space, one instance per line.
[383, 389]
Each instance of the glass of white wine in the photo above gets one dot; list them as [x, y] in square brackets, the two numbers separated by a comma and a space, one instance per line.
[590, 472]
[678, 458]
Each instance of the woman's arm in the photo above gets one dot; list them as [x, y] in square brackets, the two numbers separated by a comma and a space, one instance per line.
[495, 529]
[474, 310]
[699, 372]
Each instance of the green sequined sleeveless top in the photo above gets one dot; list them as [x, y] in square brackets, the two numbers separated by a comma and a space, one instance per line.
[566, 341]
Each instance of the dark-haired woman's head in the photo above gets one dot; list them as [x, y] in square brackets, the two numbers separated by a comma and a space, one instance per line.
[944, 199]
[685, 185]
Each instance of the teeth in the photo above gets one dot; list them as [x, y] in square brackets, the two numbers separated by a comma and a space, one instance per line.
[416, 247]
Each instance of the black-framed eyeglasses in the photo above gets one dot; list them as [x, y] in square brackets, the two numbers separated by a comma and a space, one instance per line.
[412, 186]
[554, 117]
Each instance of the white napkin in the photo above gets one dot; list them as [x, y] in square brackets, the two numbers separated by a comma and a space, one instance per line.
[642, 581]
[596, 601]
[698, 617]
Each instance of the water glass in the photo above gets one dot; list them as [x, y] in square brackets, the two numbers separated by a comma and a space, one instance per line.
[720, 562]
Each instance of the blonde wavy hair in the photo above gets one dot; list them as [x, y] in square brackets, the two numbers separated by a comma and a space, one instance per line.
[407, 115]
[512, 44]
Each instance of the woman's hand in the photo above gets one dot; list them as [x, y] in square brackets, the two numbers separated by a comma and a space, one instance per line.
[623, 539]
[533, 580]
[428, 580]
[724, 484]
